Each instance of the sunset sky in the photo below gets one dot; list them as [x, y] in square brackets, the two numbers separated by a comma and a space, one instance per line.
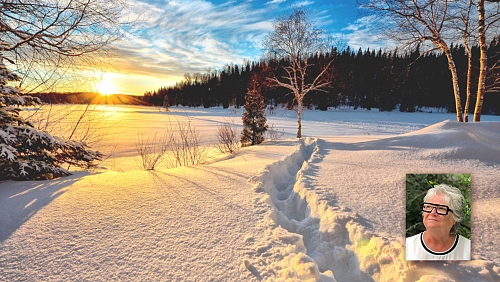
[188, 36]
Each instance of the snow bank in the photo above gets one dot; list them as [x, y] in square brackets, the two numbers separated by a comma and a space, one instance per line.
[457, 140]
[308, 237]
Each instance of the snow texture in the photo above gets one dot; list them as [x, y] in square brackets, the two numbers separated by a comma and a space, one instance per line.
[328, 207]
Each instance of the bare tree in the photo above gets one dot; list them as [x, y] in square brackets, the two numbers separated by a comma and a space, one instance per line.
[412, 22]
[44, 40]
[485, 22]
[483, 61]
[464, 23]
[47, 40]
[293, 40]
[493, 77]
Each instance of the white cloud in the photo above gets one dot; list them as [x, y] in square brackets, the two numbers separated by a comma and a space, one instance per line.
[303, 3]
[276, 1]
[365, 33]
[187, 36]
[190, 36]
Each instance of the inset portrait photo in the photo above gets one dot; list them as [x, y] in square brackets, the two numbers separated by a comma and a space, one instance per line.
[438, 217]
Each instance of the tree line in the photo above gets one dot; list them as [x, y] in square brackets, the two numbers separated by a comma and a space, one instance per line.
[387, 80]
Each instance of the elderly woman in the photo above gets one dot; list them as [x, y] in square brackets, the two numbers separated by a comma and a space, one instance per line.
[443, 209]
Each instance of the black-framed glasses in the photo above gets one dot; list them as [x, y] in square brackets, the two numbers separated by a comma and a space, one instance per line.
[440, 209]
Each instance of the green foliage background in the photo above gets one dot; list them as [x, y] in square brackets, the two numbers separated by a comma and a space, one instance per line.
[416, 188]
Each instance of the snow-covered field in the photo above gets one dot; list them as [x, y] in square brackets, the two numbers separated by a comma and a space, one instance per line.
[327, 207]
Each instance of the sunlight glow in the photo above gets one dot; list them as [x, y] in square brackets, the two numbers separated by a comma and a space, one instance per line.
[107, 87]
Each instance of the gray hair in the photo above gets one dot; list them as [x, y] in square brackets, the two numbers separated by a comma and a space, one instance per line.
[453, 198]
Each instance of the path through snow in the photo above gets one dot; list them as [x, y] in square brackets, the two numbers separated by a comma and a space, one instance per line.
[311, 235]
[308, 238]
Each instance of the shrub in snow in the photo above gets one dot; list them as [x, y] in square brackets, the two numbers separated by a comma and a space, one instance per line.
[228, 137]
[185, 144]
[273, 133]
[254, 120]
[27, 153]
[179, 146]
[152, 151]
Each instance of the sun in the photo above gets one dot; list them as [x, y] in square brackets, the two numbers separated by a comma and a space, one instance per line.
[107, 87]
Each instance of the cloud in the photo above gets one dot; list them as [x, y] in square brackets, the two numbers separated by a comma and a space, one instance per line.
[174, 38]
[275, 2]
[365, 33]
[303, 3]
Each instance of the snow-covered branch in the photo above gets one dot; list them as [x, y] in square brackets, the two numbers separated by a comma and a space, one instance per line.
[29, 153]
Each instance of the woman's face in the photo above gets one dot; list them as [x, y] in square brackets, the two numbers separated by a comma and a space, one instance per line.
[435, 221]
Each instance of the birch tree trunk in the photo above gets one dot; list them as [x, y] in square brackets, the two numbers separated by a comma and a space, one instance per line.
[299, 118]
[466, 36]
[454, 79]
[483, 62]
[469, 83]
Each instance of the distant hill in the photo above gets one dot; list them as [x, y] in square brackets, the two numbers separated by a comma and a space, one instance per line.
[89, 97]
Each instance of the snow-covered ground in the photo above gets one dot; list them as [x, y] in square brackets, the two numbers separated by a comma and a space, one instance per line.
[327, 207]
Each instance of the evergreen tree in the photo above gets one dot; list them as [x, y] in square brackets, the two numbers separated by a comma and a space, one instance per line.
[25, 152]
[254, 120]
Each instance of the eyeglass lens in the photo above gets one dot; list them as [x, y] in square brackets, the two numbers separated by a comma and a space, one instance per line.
[442, 210]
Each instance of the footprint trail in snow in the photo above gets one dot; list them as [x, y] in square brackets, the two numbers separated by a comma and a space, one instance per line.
[305, 237]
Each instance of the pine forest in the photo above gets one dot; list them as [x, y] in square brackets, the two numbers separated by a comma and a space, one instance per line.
[385, 80]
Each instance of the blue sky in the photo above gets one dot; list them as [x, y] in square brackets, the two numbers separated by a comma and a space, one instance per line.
[188, 36]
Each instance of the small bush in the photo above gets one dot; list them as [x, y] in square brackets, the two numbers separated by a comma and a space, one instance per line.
[185, 145]
[228, 137]
[152, 151]
[179, 146]
[273, 133]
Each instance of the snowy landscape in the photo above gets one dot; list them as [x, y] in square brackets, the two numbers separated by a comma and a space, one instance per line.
[326, 207]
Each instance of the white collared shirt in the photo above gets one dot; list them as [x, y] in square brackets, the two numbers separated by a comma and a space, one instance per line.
[417, 250]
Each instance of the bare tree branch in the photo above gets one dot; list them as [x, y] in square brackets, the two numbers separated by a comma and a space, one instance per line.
[48, 40]
[411, 22]
[293, 40]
